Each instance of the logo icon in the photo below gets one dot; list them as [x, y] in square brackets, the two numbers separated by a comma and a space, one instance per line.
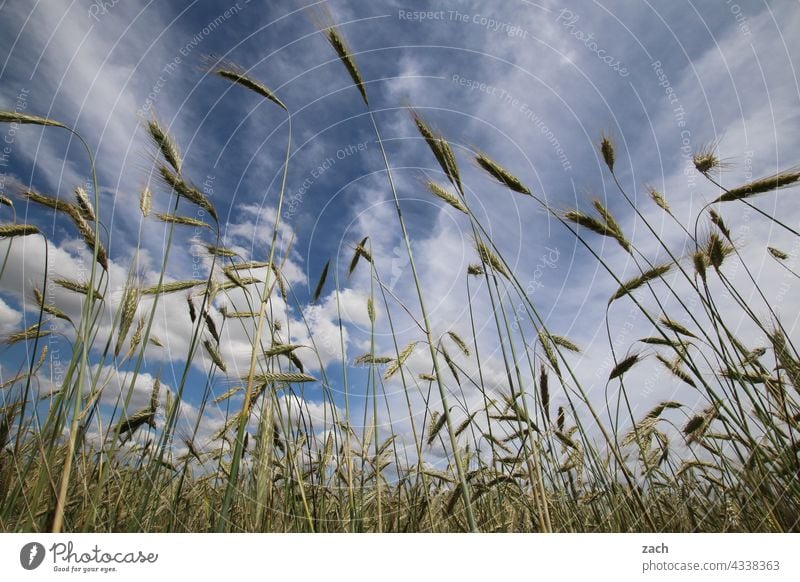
[31, 555]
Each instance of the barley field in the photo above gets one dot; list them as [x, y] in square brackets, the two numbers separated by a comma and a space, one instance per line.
[209, 387]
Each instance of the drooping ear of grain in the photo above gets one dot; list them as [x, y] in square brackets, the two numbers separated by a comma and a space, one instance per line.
[622, 367]
[549, 352]
[705, 158]
[24, 119]
[565, 343]
[631, 285]
[85, 205]
[500, 174]
[544, 392]
[360, 251]
[462, 345]
[475, 270]
[132, 423]
[214, 354]
[676, 327]
[47, 308]
[607, 151]
[236, 74]
[659, 199]
[321, 283]
[587, 221]
[165, 144]
[128, 306]
[777, 253]
[187, 191]
[27, 334]
[437, 422]
[12, 230]
[441, 151]
[146, 202]
[489, 258]
[88, 235]
[395, 365]
[449, 198]
[181, 220]
[46, 201]
[786, 359]
[77, 287]
[612, 225]
[172, 286]
[716, 219]
[677, 370]
[767, 184]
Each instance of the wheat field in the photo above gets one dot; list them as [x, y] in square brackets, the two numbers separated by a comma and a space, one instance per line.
[517, 444]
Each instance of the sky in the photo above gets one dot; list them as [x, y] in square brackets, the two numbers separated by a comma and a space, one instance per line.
[532, 84]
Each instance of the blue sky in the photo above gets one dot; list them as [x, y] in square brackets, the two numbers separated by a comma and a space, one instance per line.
[534, 85]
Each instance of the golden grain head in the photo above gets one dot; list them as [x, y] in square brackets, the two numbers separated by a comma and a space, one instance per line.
[636, 282]
[500, 174]
[85, 205]
[659, 199]
[165, 144]
[705, 158]
[24, 119]
[235, 75]
[12, 230]
[607, 151]
[766, 184]
[475, 270]
[342, 50]
[488, 257]
[777, 253]
[450, 198]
